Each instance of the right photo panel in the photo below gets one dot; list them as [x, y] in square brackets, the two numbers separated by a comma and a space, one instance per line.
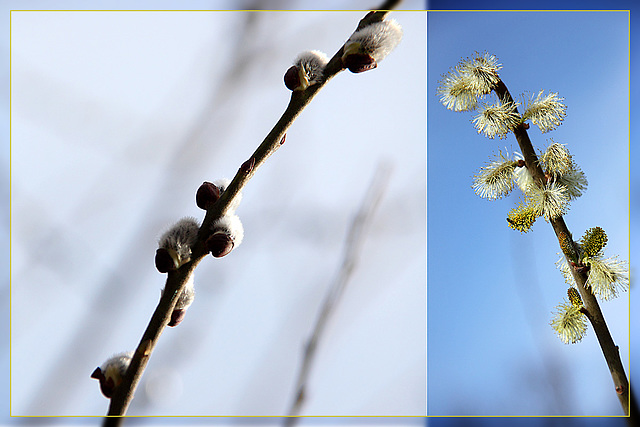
[528, 214]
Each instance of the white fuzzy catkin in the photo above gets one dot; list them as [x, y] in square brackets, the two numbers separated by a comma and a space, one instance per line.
[310, 65]
[116, 366]
[185, 299]
[222, 184]
[179, 239]
[111, 372]
[376, 40]
[232, 226]
[187, 296]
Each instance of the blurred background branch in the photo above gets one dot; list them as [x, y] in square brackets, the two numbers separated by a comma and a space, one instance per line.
[352, 248]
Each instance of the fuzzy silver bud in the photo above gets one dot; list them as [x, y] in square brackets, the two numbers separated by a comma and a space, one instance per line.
[111, 372]
[175, 245]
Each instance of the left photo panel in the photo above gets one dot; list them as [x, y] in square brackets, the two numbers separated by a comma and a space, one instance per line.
[218, 213]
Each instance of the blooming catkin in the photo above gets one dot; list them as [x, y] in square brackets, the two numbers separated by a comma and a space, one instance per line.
[550, 201]
[547, 112]
[495, 179]
[497, 119]
[557, 160]
[471, 79]
[569, 323]
[607, 277]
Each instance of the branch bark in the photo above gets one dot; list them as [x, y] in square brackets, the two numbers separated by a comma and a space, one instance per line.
[176, 280]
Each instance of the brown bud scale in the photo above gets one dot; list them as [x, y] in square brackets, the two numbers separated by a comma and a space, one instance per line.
[219, 244]
[359, 62]
[176, 317]
[292, 78]
[97, 374]
[107, 387]
[207, 194]
[164, 261]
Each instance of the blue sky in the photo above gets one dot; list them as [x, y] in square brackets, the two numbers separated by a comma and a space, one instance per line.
[491, 290]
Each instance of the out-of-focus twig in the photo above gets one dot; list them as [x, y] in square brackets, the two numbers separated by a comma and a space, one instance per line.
[353, 245]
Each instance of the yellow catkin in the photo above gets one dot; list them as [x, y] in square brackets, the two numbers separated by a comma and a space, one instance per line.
[521, 218]
[593, 241]
[566, 244]
[574, 297]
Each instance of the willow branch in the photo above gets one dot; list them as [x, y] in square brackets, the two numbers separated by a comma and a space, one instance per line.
[353, 245]
[177, 280]
[593, 312]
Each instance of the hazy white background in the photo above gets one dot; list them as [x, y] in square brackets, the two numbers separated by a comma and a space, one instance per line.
[118, 117]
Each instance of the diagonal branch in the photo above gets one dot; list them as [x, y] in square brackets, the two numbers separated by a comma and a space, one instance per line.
[177, 280]
[594, 314]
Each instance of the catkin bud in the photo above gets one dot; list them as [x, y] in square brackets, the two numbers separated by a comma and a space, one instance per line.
[208, 193]
[593, 241]
[370, 45]
[184, 301]
[568, 249]
[574, 297]
[521, 218]
[111, 372]
[222, 184]
[175, 245]
[306, 70]
[227, 234]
